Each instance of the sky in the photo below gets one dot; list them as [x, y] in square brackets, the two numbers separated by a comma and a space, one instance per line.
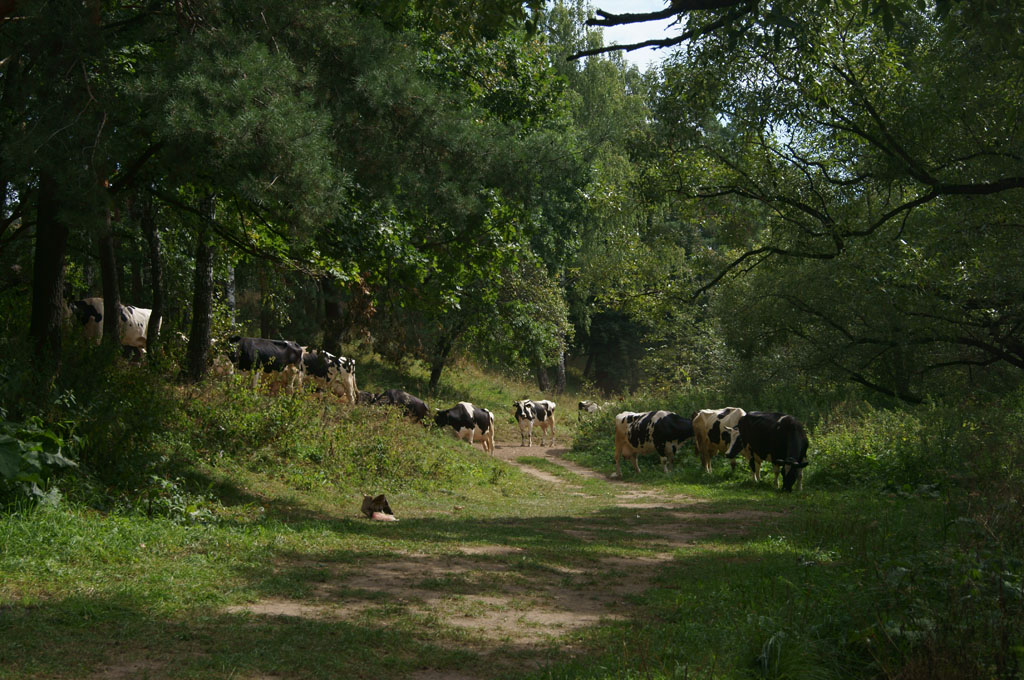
[633, 33]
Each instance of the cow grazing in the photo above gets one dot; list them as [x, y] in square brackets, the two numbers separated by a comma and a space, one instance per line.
[471, 423]
[415, 408]
[585, 407]
[712, 432]
[641, 433]
[262, 355]
[528, 413]
[335, 373]
[364, 397]
[774, 437]
[133, 322]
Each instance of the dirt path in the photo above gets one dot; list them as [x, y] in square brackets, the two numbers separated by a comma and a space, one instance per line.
[516, 604]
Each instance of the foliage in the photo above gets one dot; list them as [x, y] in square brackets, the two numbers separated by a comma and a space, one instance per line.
[30, 452]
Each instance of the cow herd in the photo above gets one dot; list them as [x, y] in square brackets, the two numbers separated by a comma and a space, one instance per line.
[758, 436]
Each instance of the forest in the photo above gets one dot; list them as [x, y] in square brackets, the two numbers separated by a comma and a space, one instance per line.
[810, 208]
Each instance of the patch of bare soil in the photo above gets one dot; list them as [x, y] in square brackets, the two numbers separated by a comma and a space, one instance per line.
[496, 598]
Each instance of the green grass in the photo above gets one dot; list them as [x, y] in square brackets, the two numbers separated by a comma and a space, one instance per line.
[242, 500]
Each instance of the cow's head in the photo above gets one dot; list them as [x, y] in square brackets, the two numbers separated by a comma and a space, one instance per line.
[796, 451]
[524, 410]
[84, 311]
[735, 439]
[440, 418]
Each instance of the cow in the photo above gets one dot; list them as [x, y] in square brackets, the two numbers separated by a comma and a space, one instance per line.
[415, 408]
[364, 397]
[133, 322]
[586, 407]
[777, 437]
[471, 423]
[528, 412]
[263, 355]
[335, 373]
[712, 432]
[640, 433]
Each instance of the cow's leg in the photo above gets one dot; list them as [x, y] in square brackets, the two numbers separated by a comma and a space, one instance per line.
[255, 382]
[778, 469]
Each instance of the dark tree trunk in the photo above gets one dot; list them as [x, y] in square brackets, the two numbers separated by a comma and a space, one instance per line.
[590, 365]
[146, 213]
[111, 285]
[48, 277]
[543, 382]
[334, 319]
[137, 284]
[437, 364]
[202, 299]
[265, 318]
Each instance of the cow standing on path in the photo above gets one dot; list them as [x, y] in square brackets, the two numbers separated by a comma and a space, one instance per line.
[775, 437]
[471, 423]
[541, 413]
[640, 433]
[712, 432]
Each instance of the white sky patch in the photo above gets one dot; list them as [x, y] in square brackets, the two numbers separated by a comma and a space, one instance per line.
[634, 33]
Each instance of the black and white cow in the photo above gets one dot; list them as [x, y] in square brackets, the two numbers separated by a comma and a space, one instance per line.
[529, 412]
[712, 432]
[641, 433]
[262, 355]
[471, 423]
[775, 437]
[133, 322]
[415, 408]
[337, 374]
[586, 407]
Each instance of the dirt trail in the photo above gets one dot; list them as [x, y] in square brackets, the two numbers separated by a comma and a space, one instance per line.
[512, 604]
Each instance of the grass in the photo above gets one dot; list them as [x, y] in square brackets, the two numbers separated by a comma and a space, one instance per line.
[248, 556]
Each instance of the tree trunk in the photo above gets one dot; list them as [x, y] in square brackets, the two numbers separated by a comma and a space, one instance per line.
[265, 318]
[147, 221]
[543, 382]
[232, 297]
[334, 320]
[560, 382]
[137, 284]
[48, 304]
[202, 298]
[111, 285]
[437, 364]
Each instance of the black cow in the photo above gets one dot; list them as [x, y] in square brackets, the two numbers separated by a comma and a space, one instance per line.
[529, 412]
[268, 356]
[415, 408]
[471, 423]
[639, 433]
[777, 437]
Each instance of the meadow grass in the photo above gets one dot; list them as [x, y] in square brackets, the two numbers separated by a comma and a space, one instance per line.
[245, 499]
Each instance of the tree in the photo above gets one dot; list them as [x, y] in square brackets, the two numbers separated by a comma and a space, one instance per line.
[866, 151]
